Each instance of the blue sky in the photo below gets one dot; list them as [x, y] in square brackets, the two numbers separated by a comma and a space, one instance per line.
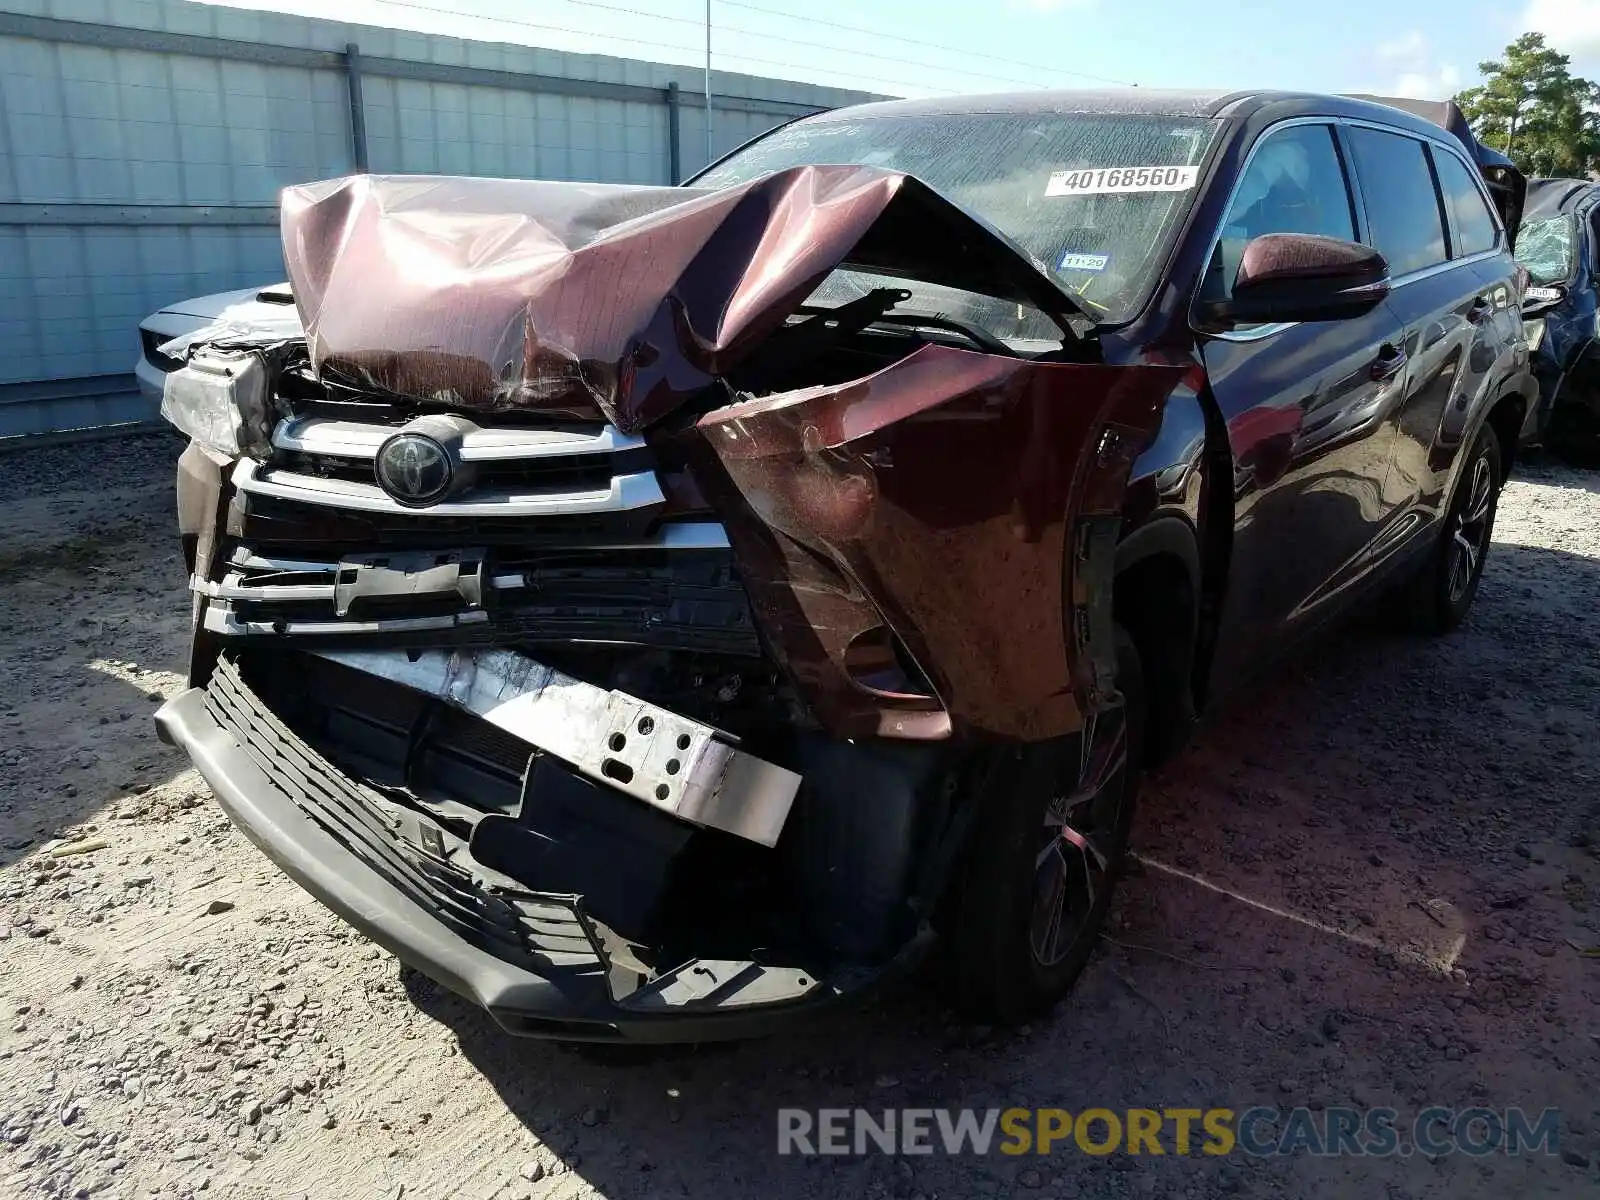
[1424, 48]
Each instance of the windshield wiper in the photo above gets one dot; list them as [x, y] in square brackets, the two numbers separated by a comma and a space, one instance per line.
[826, 327]
[981, 338]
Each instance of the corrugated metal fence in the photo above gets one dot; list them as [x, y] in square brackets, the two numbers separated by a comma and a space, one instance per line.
[143, 144]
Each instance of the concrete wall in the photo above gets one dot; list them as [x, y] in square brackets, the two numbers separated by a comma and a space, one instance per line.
[143, 144]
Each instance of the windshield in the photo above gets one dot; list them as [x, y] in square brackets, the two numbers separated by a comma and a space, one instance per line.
[1546, 247]
[1094, 199]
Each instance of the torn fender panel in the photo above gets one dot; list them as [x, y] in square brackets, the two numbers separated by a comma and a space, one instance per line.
[957, 496]
[592, 299]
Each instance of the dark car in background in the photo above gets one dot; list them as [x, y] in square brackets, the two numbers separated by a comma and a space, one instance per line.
[1559, 244]
[659, 612]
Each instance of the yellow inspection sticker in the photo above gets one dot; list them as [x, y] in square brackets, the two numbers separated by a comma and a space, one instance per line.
[1092, 181]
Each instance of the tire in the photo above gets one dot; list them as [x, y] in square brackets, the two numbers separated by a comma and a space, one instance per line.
[1006, 964]
[1441, 595]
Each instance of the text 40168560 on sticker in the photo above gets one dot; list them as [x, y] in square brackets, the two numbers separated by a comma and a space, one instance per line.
[1091, 181]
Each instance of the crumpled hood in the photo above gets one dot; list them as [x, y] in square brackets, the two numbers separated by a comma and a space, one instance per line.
[590, 299]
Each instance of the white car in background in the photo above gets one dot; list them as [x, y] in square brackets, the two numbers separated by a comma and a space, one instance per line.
[248, 307]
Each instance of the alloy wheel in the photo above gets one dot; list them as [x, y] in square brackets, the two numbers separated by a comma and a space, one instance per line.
[1079, 842]
[1469, 538]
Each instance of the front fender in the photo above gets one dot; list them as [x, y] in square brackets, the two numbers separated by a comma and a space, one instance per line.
[1162, 512]
[966, 503]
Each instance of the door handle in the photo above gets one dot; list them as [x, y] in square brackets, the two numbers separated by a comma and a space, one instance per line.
[1390, 362]
[1478, 311]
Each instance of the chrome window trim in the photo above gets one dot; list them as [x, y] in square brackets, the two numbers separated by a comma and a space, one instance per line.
[1253, 334]
[1259, 332]
[1441, 268]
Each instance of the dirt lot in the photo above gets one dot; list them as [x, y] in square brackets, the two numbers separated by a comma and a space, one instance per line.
[1372, 886]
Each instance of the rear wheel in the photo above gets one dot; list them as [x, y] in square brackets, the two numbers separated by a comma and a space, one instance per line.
[1051, 838]
[1442, 593]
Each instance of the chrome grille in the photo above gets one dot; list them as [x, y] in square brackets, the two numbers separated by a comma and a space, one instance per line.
[525, 472]
[676, 587]
[559, 538]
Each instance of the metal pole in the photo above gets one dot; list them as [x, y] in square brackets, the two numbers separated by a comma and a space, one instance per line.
[708, 83]
[674, 150]
[358, 108]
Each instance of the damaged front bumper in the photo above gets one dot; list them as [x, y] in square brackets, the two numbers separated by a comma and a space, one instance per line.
[538, 961]
[669, 761]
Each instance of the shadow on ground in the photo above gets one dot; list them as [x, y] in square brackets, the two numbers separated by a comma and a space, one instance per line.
[1360, 885]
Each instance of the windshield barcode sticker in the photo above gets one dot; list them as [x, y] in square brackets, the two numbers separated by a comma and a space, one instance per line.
[1092, 181]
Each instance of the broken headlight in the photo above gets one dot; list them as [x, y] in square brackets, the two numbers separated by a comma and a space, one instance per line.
[1534, 332]
[222, 400]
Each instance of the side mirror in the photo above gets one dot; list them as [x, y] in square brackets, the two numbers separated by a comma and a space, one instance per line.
[1302, 277]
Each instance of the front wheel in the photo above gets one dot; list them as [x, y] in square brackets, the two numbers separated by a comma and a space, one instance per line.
[1442, 593]
[1050, 841]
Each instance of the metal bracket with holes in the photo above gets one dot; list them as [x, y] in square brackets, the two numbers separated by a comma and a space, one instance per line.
[666, 760]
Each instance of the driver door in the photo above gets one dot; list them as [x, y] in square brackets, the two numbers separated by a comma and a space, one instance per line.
[1311, 410]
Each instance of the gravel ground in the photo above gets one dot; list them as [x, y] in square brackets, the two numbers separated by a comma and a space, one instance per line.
[1372, 885]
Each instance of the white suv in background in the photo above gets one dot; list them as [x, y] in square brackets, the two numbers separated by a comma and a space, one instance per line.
[248, 306]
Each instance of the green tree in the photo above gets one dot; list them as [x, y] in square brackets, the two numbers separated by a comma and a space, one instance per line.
[1565, 138]
[1531, 107]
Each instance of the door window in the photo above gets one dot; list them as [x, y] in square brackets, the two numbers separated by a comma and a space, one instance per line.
[1402, 204]
[1294, 183]
[1475, 225]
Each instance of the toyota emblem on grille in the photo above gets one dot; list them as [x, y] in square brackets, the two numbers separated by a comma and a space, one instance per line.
[415, 469]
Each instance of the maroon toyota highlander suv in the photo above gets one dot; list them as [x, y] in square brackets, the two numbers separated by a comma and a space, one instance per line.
[659, 612]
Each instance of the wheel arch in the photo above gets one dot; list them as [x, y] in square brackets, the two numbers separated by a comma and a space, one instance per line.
[1505, 417]
[1156, 598]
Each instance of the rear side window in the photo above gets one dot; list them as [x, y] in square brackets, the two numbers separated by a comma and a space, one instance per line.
[1294, 183]
[1402, 206]
[1475, 228]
